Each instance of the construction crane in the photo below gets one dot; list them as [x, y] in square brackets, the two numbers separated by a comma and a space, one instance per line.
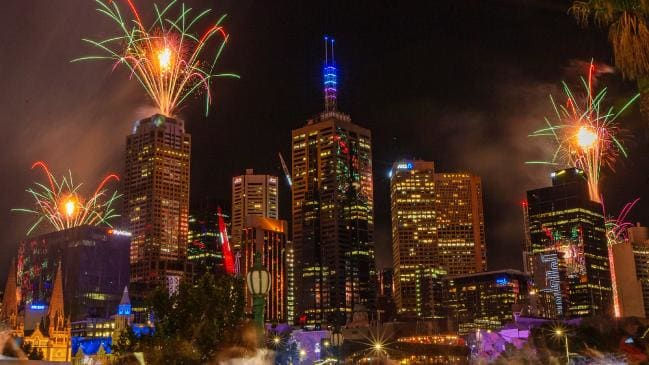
[286, 173]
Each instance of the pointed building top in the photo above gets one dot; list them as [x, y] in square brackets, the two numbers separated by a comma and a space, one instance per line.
[56, 302]
[124, 307]
[330, 76]
[10, 300]
[125, 298]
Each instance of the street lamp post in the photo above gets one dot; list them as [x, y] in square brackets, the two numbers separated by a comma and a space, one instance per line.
[258, 281]
[559, 332]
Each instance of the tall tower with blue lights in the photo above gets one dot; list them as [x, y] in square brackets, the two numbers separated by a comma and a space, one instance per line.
[330, 76]
[333, 211]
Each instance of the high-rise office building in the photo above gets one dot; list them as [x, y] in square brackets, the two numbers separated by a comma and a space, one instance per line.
[568, 236]
[460, 223]
[267, 237]
[156, 191]
[484, 300]
[437, 229]
[414, 236]
[333, 212]
[252, 195]
[95, 264]
[204, 242]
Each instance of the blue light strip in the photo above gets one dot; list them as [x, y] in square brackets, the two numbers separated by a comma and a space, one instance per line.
[330, 77]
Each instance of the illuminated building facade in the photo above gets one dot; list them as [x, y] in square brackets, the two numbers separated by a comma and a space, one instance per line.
[484, 300]
[290, 283]
[95, 266]
[267, 236]
[93, 338]
[414, 237]
[156, 201]
[460, 223]
[437, 229]
[333, 213]
[566, 225]
[252, 195]
[204, 242]
[44, 326]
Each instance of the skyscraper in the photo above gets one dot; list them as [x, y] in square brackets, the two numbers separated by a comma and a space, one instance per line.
[460, 223]
[333, 212]
[252, 195]
[204, 242]
[156, 191]
[414, 236]
[267, 237]
[437, 229]
[568, 237]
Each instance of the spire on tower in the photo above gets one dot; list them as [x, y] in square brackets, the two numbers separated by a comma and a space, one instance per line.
[56, 314]
[330, 76]
[124, 307]
[9, 308]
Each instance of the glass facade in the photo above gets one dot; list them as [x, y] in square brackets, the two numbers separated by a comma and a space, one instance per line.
[95, 268]
[566, 225]
[333, 218]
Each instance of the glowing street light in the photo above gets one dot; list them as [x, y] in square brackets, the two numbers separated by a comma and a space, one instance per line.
[559, 332]
[258, 281]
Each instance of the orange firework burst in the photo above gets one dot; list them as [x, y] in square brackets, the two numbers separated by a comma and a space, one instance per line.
[167, 58]
[61, 204]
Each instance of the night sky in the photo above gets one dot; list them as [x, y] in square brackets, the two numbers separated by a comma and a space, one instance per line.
[458, 82]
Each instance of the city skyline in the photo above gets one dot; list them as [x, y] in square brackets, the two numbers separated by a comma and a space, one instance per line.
[391, 143]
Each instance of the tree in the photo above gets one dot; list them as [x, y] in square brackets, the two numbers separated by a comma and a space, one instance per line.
[628, 33]
[126, 343]
[193, 324]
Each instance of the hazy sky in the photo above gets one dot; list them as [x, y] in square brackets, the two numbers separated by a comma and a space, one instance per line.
[458, 82]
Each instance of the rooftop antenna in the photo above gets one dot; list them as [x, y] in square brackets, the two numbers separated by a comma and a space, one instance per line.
[330, 76]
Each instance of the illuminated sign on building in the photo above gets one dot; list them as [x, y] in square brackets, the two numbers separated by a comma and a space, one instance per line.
[502, 281]
[237, 180]
[405, 166]
[117, 232]
[37, 307]
[272, 180]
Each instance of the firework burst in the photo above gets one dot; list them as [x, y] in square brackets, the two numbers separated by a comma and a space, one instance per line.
[61, 204]
[586, 133]
[168, 58]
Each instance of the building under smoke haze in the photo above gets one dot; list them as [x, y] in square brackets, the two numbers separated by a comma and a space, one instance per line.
[156, 194]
